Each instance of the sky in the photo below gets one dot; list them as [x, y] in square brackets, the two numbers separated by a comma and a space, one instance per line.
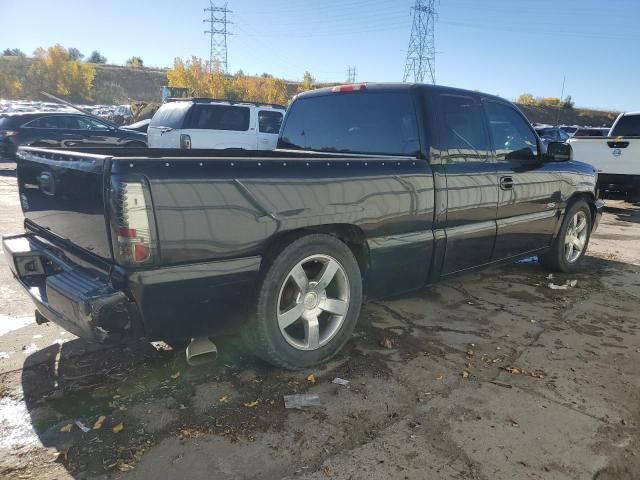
[503, 47]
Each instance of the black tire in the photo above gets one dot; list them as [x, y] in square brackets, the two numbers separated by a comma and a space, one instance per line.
[263, 333]
[556, 258]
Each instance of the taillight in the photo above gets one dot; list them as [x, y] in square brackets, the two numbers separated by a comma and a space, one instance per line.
[355, 87]
[185, 142]
[134, 242]
[8, 133]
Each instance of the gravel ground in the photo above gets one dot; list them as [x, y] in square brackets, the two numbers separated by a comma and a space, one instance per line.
[492, 375]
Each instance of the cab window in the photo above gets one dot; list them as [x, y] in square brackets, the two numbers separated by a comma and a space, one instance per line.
[513, 138]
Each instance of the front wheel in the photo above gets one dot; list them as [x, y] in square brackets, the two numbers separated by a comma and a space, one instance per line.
[308, 303]
[573, 238]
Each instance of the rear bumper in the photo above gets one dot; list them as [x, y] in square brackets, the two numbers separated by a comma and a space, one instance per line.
[69, 296]
[174, 302]
[599, 210]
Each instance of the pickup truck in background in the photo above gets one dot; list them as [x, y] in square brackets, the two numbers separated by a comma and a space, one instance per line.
[375, 190]
[615, 157]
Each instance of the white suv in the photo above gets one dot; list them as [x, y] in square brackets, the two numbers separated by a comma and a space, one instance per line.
[215, 124]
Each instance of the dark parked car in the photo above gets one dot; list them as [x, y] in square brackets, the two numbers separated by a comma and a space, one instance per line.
[375, 190]
[140, 126]
[50, 129]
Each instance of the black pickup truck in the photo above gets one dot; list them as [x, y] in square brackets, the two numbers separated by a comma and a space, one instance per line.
[374, 190]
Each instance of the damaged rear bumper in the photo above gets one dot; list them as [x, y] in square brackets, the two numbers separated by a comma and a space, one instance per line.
[79, 301]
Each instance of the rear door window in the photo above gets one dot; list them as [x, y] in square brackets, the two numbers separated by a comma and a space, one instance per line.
[269, 122]
[220, 117]
[462, 125]
[371, 123]
[53, 122]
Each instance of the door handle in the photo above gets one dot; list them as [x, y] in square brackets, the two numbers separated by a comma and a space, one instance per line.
[618, 144]
[506, 183]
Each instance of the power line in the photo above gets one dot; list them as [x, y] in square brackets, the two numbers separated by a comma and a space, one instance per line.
[351, 74]
[217, 34]
[421, 54]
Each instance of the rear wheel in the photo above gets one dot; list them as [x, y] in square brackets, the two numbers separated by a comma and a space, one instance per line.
[571, 243]
[308, 303]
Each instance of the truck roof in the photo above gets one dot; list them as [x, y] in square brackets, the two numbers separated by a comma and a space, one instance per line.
[393, 87]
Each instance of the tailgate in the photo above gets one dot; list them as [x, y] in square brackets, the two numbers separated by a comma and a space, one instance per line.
[64, 192]
[608, 155]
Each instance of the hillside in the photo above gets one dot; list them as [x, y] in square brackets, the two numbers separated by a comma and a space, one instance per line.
[568, 116]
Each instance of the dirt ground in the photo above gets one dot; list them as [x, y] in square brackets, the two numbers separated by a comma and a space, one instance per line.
[493, 375]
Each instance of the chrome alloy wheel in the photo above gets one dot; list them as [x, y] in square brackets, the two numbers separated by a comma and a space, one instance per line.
[576, 237]
[313, 302]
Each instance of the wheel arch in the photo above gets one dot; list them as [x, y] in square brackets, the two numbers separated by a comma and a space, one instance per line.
[588, 197]
[351, 235]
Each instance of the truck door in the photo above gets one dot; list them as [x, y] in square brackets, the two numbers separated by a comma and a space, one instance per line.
[530, 196]
[269, 122]
[472, 188]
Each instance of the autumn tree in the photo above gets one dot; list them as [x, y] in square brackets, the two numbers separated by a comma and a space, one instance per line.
[55, 71]
[308, 83]
[526, 99]
[10, 84]
[135, 62]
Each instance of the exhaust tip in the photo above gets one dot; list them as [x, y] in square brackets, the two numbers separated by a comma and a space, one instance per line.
[201, 350]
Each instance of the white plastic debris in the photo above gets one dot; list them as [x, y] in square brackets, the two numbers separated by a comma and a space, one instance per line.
[4, 355]
[550, 276]
[82, 426]
[340, 381]
[301, 400]
[567, 285]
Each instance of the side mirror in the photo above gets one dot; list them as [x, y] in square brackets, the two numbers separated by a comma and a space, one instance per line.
[558, 152]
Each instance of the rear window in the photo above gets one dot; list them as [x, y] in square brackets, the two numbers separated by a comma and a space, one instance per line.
[373, 123]
[627, 126]
[219, 117]
[170, 115]
[5, 122]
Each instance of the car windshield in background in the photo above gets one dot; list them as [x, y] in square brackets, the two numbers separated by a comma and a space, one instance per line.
[370, 123]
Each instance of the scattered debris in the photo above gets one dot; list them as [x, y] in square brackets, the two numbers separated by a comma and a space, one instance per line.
[387, 343]
[224, 399]
[522, 371]
[66, 428]
[99, 422]
[566, 286]
[4, 355]
[312, 378]
[301, 400]
[550, 276]
[175, 375]
[465, 374]
[82, 426]
[252, 404]
[118, 428]
[340, 381]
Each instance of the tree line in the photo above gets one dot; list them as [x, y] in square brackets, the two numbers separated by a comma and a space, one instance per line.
[58, 70]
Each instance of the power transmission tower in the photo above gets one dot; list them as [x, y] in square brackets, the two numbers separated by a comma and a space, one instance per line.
[421, 55]
[351, 74]
[218, 34]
